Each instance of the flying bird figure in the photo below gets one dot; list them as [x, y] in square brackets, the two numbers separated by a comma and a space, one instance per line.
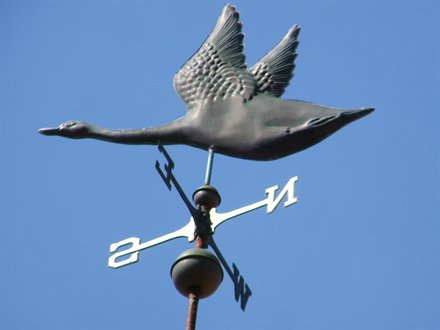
[233, 110]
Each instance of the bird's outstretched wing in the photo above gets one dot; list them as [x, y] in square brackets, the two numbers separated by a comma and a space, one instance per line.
[217, 70]
[274, 71]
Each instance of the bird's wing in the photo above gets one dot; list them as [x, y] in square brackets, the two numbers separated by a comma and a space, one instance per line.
[274, 71]
[217, 70]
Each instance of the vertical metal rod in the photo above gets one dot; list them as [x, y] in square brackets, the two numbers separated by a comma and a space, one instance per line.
[209, 166]
[193, 302]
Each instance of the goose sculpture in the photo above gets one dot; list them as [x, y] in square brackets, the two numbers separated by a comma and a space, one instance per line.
[233, 110]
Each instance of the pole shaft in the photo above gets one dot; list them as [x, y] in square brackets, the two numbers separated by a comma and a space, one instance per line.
[193, 302]
[209, 166]
[201, 242]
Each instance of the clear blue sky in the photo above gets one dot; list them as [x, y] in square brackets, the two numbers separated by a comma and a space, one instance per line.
[359, 250]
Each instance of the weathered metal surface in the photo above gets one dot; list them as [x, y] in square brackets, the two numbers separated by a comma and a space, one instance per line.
[232, 110]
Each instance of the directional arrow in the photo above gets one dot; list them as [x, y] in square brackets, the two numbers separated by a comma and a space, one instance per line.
[132, 253]
[136, 246]
[218, 218]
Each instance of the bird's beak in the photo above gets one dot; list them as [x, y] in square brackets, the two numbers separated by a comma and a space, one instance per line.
[49, 131]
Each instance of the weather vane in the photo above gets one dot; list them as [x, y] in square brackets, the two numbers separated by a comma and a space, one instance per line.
[234, 111]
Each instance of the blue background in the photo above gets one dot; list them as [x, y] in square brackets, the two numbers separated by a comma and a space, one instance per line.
[360, 250]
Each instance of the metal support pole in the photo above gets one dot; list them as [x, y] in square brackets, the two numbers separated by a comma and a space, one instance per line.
[193, 303]
[205, 199]
[209, 166]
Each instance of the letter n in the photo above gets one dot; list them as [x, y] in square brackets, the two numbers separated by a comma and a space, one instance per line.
[289, 190]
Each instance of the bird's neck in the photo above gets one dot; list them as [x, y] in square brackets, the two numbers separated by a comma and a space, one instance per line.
[172, 133]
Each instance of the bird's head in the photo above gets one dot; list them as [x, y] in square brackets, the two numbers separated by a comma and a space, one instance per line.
[73, 129]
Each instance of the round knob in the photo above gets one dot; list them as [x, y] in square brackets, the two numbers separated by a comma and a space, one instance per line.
[207, 196]
[197, 268]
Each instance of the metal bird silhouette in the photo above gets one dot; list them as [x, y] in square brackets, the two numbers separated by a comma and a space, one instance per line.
[232, 110]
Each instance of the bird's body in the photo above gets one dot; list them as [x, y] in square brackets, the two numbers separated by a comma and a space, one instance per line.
[234, 111]
[263, 128]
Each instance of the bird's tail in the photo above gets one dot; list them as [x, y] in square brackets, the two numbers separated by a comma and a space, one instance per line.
[352, 115]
